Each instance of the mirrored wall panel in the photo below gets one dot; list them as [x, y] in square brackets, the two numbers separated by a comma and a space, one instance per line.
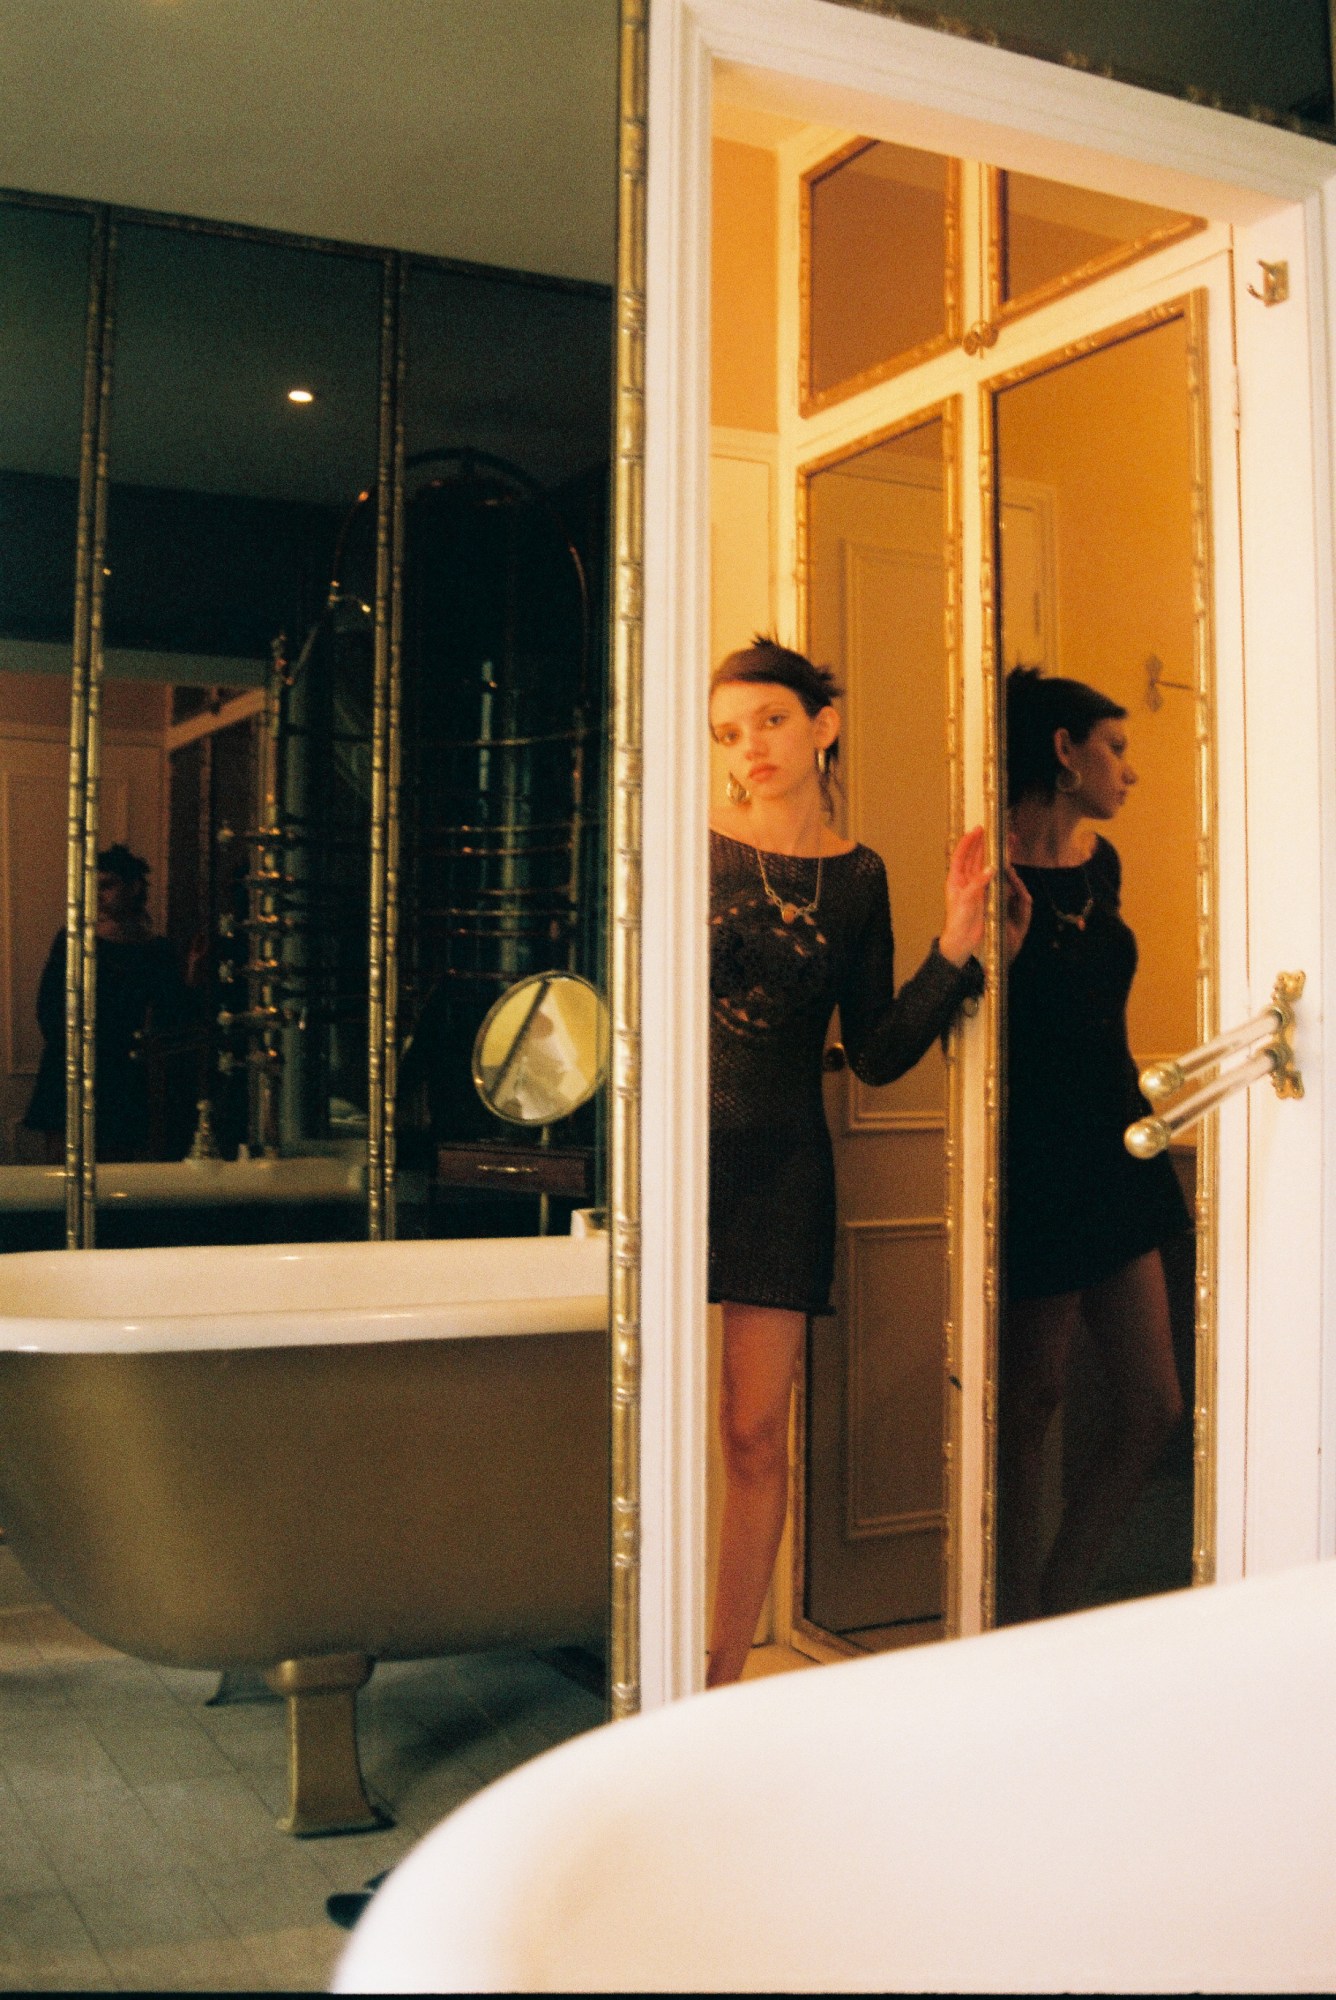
[338, 776]
[233, 803]
[44, 282]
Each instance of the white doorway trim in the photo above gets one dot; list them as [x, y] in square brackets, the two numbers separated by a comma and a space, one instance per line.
[855, 70]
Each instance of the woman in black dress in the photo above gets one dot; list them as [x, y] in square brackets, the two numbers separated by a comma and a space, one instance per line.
[800, 925]
[1084, 1220]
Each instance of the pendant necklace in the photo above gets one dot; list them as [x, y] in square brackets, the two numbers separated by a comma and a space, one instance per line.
[1075, 919]
[790, 912]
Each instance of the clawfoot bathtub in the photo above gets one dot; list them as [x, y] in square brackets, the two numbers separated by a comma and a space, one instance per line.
[305, 1458]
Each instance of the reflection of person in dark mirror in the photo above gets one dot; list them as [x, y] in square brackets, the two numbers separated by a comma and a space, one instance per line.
[800, 925]
[1085, 1222]
[139, 988]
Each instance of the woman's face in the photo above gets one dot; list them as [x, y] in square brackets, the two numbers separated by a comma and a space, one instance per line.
[1104, 776]
[768, 737]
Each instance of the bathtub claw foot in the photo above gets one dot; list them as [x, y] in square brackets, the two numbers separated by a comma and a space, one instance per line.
[326, 1793]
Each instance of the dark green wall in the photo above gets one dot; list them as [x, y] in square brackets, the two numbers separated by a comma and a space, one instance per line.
[1249, 55]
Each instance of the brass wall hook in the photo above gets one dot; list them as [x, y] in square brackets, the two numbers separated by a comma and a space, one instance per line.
[1275, 283]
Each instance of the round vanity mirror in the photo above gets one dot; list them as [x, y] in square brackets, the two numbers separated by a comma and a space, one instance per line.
[542, 1050]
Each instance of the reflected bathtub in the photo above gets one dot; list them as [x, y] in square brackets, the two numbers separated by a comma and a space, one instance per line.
[307, 1457]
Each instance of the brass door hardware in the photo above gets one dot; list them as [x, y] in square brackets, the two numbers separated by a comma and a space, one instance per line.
[982, 334]
[1264, 1044]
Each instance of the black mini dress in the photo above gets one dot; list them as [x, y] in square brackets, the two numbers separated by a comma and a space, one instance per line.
[773, 989]
[1078, 1206]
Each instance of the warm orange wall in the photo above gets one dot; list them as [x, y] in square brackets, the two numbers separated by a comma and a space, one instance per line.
[878, 263]
[744, 306]
[1110, 435]
[43, 701]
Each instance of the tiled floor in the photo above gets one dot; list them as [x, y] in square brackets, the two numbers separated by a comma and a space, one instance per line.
[137, 1840]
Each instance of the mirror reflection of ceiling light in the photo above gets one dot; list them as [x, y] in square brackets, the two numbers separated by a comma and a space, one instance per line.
[301, 395]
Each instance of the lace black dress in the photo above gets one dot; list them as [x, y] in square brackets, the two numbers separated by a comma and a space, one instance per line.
[1078, 1206]
[773, 989]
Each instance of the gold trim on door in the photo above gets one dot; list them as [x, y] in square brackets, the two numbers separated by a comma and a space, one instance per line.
[1191, 309]
[811, 400]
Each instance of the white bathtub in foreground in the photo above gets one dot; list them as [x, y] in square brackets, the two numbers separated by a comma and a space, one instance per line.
[1131, 1800]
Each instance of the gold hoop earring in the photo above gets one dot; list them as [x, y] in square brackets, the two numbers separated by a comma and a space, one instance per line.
[1073, 786]
[821, 760]
[738, 793]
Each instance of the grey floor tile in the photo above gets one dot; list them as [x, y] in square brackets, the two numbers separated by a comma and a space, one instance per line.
[212, 1821]
[222, 1965]
[347, 1861]
[187, 1685]
[90, 1833]
[40, 1926]
[54, 1750]
[251, 1738]
[154, 1748]
[55, 1636]
[285, 1891]
[25, 1867]
[133, 1910]
[298, 1960]
[62, 1972]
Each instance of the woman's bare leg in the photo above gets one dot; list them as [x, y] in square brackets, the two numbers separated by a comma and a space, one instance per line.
[1128, 1317]
[1036, 1348]
[761, 1350]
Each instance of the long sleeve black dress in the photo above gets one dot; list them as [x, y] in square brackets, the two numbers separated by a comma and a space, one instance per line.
[1078, 1206]
[773, 989]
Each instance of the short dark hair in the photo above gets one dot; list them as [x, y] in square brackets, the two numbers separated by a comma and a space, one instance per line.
[1038, 706]
[765, 663]
[768, 664]
[119, 860]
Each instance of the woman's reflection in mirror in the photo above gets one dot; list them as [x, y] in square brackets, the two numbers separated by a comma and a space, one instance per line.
[1084, 1220]
[800, 925]
[140, 988]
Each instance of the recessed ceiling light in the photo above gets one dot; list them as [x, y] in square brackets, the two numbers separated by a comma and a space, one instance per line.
[301, 395]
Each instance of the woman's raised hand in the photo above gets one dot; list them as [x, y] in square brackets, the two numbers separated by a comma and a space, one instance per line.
[967, 880]
[1017, 904]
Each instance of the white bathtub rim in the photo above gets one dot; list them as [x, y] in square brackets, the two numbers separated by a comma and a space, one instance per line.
[319, 1294]
[179, 1333]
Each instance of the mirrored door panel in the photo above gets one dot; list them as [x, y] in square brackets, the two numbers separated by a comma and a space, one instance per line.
[1105, 647]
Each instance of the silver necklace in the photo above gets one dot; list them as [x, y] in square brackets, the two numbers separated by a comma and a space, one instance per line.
[790, 912]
